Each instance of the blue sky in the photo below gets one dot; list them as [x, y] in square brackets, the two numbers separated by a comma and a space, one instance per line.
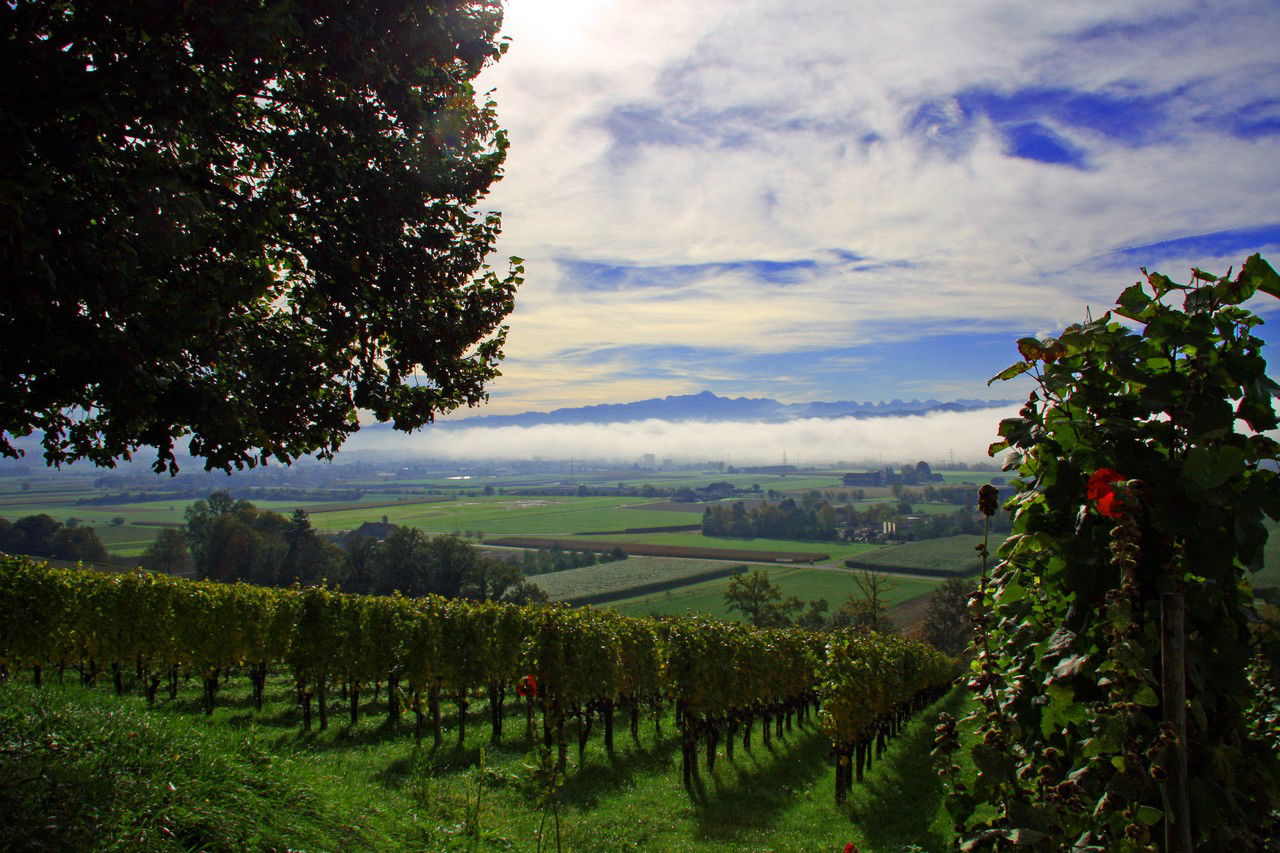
[856, 200]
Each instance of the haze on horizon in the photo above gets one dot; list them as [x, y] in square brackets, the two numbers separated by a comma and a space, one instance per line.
[958, 436]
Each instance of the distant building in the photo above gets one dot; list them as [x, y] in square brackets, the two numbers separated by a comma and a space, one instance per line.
[911, 475]
[377, 530]
[716, 491]
[764, 469]
[865, 478]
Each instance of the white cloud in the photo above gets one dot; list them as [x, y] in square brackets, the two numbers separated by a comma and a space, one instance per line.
[693, 132]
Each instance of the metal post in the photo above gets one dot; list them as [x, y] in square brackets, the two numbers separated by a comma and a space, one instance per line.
[1177, 823]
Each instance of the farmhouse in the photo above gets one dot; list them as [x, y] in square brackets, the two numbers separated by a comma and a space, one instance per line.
[378, 530]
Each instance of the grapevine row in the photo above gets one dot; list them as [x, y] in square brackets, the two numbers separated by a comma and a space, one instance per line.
[577, 664]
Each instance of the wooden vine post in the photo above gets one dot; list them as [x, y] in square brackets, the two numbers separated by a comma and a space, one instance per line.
[1177, 824]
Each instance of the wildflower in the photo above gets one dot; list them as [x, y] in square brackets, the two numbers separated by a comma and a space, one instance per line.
[850, 848]
[528, 686]
[1101, 491]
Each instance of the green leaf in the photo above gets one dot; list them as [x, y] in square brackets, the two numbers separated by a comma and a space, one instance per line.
[991, 762]
[1146, 697]
[1161, 283]
[1209, 468]
[1133, 303]
[1150, 815]
[1011, 371]
[1030, 348]
[1260, 275]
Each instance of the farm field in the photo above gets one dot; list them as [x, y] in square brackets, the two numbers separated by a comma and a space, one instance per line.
[622, 575]
[511, 514]
[952, 554]
[837, 550]
[806, 584]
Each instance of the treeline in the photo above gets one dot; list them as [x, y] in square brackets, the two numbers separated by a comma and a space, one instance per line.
[275, 493]
[230, 540]
[783, 520]
[44, 536]
[816, 519]
[556, 559]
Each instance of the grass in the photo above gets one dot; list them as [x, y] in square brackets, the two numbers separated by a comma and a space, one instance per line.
[87, 770]
[806, 584]
[837, 550]
[83, 771]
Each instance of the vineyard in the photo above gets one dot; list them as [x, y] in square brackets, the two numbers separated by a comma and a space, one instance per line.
[547, 665]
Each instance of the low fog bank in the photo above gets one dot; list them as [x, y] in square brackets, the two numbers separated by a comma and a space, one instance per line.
[962, 436]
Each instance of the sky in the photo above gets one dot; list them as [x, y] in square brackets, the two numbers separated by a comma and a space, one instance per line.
[841, 200]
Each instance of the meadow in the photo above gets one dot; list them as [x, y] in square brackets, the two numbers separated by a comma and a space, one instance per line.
[707, 598]
[945, 555]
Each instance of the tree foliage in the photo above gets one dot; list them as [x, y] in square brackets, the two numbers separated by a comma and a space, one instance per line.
[43, 535]
[760, 600]
[238, 223]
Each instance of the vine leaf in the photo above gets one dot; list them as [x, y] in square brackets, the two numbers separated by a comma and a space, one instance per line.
[1209, 468]
[1011, 371]
[1260, 275]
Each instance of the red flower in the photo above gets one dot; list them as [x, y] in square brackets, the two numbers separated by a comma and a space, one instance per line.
[850, 848]
[1103, 494]
[528, 686]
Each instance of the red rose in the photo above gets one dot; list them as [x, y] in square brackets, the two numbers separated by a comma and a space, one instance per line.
[528, 686]
[850, 848]
[1102, 492]
[1100, 483]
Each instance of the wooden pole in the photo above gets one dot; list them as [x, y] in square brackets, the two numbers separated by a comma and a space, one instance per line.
[1177, 823]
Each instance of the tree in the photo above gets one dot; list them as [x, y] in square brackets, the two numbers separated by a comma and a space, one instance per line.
[814, 618]
[77, 544]
[310, 558]
[947, 624]
[270, 223]
[200, 517]
[759, 599]
[167, 553]
[34, 533]
[10, 537]
[867, 607]
[399, 563]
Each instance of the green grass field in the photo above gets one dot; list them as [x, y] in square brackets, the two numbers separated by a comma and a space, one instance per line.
[806, 584]
[102, 772]
[947, 554]
[837, 550]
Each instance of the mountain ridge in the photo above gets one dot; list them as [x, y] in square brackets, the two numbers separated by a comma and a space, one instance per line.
[706, 406]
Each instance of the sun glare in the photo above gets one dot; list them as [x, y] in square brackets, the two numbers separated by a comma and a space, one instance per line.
[550, 25]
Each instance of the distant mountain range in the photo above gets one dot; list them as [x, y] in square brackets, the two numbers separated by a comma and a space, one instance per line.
[709, 407]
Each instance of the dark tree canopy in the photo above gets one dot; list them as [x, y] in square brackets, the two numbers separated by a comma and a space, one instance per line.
[239, 222]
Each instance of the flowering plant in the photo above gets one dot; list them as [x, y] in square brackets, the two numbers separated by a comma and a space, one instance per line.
[1074, 742]
[1101, 491]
